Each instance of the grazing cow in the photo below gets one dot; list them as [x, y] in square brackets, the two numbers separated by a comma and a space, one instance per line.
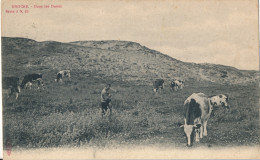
[158, 84]
[13, 84]
[197, 110]
[176, 84]
[196, 113]
[220, 100]
[62, 74]
[29, 79]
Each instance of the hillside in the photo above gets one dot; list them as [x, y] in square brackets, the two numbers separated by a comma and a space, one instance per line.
[68, 114]
[117, 60]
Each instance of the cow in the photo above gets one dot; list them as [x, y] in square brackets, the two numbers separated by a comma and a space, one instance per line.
[62, 74]
[177, 84]
[197, 110]
[158, 84]
[220, 100]
[13, 84]
[29, 79]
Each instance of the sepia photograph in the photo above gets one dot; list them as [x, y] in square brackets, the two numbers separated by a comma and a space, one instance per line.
[120, 79]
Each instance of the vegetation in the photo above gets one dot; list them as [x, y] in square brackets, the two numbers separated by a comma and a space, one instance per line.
[63, 115]
[68, 113]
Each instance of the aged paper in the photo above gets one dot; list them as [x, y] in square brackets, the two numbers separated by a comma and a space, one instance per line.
[123, 79]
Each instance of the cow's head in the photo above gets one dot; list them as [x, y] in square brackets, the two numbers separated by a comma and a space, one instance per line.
[220, 100]
[189, 132]
[181, 84]
[67, 73]
[40, 82]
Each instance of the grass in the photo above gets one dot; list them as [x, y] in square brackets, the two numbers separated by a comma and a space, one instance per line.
[69, 114]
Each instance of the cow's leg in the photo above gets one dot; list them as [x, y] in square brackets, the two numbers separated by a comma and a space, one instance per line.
[16, 95]
[11, 92]
[39, 83]
[205, 128]
[201, 130]
[26, 85]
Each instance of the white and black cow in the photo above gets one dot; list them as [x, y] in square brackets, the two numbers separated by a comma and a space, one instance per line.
[29, 79]
[62, 74]
[13, 84]
[220, 100]
[177, 84]
[197, 110]
[158, 84]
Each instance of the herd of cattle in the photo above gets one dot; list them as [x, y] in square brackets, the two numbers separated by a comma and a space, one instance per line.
[12, 83]
[197, 108]
[175, 84]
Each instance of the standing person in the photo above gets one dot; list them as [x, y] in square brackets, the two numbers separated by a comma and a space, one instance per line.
[105, 100]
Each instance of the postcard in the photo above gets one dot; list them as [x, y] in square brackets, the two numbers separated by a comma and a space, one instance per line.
[120, 79]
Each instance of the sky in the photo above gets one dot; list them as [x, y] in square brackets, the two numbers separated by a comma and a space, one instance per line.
[218, 31]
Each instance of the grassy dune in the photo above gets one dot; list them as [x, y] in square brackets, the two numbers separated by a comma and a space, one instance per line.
[69, 114]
